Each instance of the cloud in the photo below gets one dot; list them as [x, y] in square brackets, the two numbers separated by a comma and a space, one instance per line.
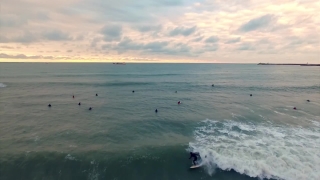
[233, 40]
[210, 48]
[155, 46]
[127, 44]
[147, 28]
[212, 39]
[11, 20]
[162, 29]
[169, 2]
[94, 42]
[79, 37]
[182, 31]
[6, 47]
[197, 39]
[43, 16]
[22, 56]
[56, 35]
[257, 23]
[26, 37]
[245, 47]
[111, 32]
[178, 50]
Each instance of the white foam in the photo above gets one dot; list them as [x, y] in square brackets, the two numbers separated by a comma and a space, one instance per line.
[2, 85]
[69, 157]
[261, 150]
[279, 113]
[316, 123]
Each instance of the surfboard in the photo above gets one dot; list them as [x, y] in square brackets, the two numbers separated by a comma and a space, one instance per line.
[195, 166]
[198, 164]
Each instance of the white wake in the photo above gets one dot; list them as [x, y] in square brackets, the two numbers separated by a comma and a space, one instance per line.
[263, 150]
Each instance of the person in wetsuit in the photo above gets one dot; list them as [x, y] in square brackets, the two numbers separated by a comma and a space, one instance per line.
[194, 155]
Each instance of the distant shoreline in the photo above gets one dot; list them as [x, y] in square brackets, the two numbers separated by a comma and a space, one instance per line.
[290, 64]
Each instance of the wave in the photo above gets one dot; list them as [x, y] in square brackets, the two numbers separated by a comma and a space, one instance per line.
[269, 88]
[2, 85]
[114, 75]
[262, 150]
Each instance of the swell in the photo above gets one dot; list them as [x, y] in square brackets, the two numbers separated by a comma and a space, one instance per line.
[96, 75]
[175, 85]
[169, 162]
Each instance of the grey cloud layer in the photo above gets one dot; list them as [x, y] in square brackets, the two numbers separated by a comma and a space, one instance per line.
[212, 39]
[182, 31]
[111, 32]
[56, 35]
[22, 56]
[176, 28]
[257, 23]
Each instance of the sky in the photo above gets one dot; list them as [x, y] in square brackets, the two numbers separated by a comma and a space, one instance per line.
[195, 31]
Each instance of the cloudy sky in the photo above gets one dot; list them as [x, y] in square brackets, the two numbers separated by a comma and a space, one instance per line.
[222, 31]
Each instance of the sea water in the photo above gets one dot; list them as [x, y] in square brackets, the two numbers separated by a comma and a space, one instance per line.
[238, 136]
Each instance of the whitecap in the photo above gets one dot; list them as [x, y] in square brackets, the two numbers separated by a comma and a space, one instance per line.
[279, 113]
[2, 85]
[69, 157]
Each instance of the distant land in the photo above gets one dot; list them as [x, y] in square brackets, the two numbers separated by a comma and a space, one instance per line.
[290, 64]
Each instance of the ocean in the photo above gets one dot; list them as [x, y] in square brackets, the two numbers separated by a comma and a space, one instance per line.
[238, 136]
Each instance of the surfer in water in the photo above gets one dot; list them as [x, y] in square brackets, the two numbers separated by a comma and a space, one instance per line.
[194, 155]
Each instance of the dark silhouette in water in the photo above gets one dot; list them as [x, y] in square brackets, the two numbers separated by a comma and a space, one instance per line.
[49, 105]
[176, 91]
[132, 91]
[308, 100]
[295, 108]
[212, 85]
[90, 108]
[156, 110]
[194, 155]
[179, 102]
[79, 104]
[250, 94]
[73, 97]
[96, 94]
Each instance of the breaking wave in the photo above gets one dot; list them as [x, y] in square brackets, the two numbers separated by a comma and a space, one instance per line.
[260, 150]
